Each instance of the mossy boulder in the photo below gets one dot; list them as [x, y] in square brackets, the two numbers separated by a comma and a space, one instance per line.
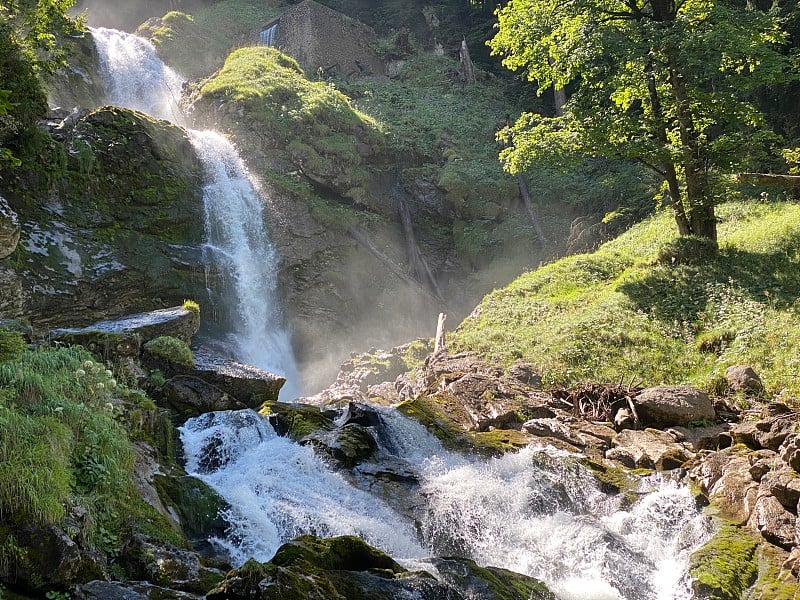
[344, 568]
[265, 99]
[171, 349]
[727, 565]
[296, 420]
[198, 507]
[113, 226]
[182, 44]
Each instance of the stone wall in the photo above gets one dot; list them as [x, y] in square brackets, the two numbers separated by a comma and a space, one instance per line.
[321, 38]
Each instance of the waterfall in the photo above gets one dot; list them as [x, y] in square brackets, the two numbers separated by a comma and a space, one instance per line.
[267, 36]
[237, 244]
[538, 511]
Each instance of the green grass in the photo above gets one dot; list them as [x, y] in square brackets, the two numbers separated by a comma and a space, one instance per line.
[65, 443]
[172, 349]
[623, 313]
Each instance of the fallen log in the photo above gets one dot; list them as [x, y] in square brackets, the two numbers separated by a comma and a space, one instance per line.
[770, 179]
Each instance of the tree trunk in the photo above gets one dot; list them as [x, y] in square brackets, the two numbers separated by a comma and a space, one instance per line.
[526, 198]
[668, 171]
[702, 220]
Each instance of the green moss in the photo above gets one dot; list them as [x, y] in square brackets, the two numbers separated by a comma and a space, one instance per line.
[772, 584]
[197, 505]
[726, 565]
[425, 411]
[507, 585]
[616, 480]
[499, 441]
[295, 420]
[172, 349]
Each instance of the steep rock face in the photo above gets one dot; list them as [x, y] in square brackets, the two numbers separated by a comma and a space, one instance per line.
[117, 229]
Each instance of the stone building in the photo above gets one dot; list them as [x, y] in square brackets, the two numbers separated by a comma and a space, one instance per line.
[320, 38]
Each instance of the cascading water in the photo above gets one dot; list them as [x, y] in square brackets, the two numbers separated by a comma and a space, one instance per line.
[538, 511]
[237, 244]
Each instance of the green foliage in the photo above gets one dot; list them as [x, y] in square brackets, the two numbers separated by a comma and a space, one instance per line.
[12, 344]
[192, 306]
[658, 82]
[172, 349]
[63, 445]
[622, 312]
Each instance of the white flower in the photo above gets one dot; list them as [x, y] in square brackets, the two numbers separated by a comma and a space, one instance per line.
[80, 372]
[111, 384]
[88, 364]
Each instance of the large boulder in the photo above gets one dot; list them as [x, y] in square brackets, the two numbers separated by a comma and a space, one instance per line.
[649, 449]
[123, 337]
[663, 406]
[118, 231]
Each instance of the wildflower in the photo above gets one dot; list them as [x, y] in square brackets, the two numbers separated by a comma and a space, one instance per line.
[111, 384]
[80, 373]
[109, 373]
[88, 364]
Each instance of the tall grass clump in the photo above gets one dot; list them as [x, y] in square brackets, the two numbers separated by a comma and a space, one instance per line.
[643, 308]
[63, 444]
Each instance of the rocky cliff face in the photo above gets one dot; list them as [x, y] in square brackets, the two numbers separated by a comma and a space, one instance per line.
[116, 229]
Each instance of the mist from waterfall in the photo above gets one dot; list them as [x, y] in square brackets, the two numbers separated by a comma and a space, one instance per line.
[237, 246]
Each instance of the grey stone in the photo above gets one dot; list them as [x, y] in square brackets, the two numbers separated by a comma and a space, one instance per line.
[9, 229]
[743, 378]
[673, 405]
[650, 449]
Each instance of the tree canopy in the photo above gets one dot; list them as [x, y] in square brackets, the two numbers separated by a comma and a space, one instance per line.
[665, 82]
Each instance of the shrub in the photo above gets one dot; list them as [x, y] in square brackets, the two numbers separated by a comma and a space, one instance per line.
[172, 349]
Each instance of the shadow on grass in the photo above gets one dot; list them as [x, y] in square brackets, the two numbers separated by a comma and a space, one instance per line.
[677, 293]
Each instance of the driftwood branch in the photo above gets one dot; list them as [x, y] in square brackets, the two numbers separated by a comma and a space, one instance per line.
[526, 198]
[439, 343]
[770, 179]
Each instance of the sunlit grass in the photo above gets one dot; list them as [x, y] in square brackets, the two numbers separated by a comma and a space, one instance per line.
[620, 313]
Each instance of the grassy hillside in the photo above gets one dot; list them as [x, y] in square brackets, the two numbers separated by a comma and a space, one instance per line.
[640, 308]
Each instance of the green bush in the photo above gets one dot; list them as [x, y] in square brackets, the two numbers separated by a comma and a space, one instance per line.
[63, 443]
[172, 349]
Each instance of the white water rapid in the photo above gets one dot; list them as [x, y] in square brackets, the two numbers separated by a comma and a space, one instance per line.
[538, 511]
[237, 243]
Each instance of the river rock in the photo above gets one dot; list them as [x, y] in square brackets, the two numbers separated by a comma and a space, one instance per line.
[776, 524]
[106, 590]
[648, 449]
[664, 406]
[771, 433]
[245, 383]
[726, 479]
[703, 438]
[743, 378]
[790, 451]
[489, 582]
[186, 396]
[347, 445]
[9, 229]
[784, 484]
[119, 338]
[164, 565]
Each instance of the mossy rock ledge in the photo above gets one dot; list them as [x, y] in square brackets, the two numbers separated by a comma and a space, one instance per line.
[113, 227]
[347, 568]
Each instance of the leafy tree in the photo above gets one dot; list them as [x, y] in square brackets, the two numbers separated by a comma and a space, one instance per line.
[28, 47]
[664, 82]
